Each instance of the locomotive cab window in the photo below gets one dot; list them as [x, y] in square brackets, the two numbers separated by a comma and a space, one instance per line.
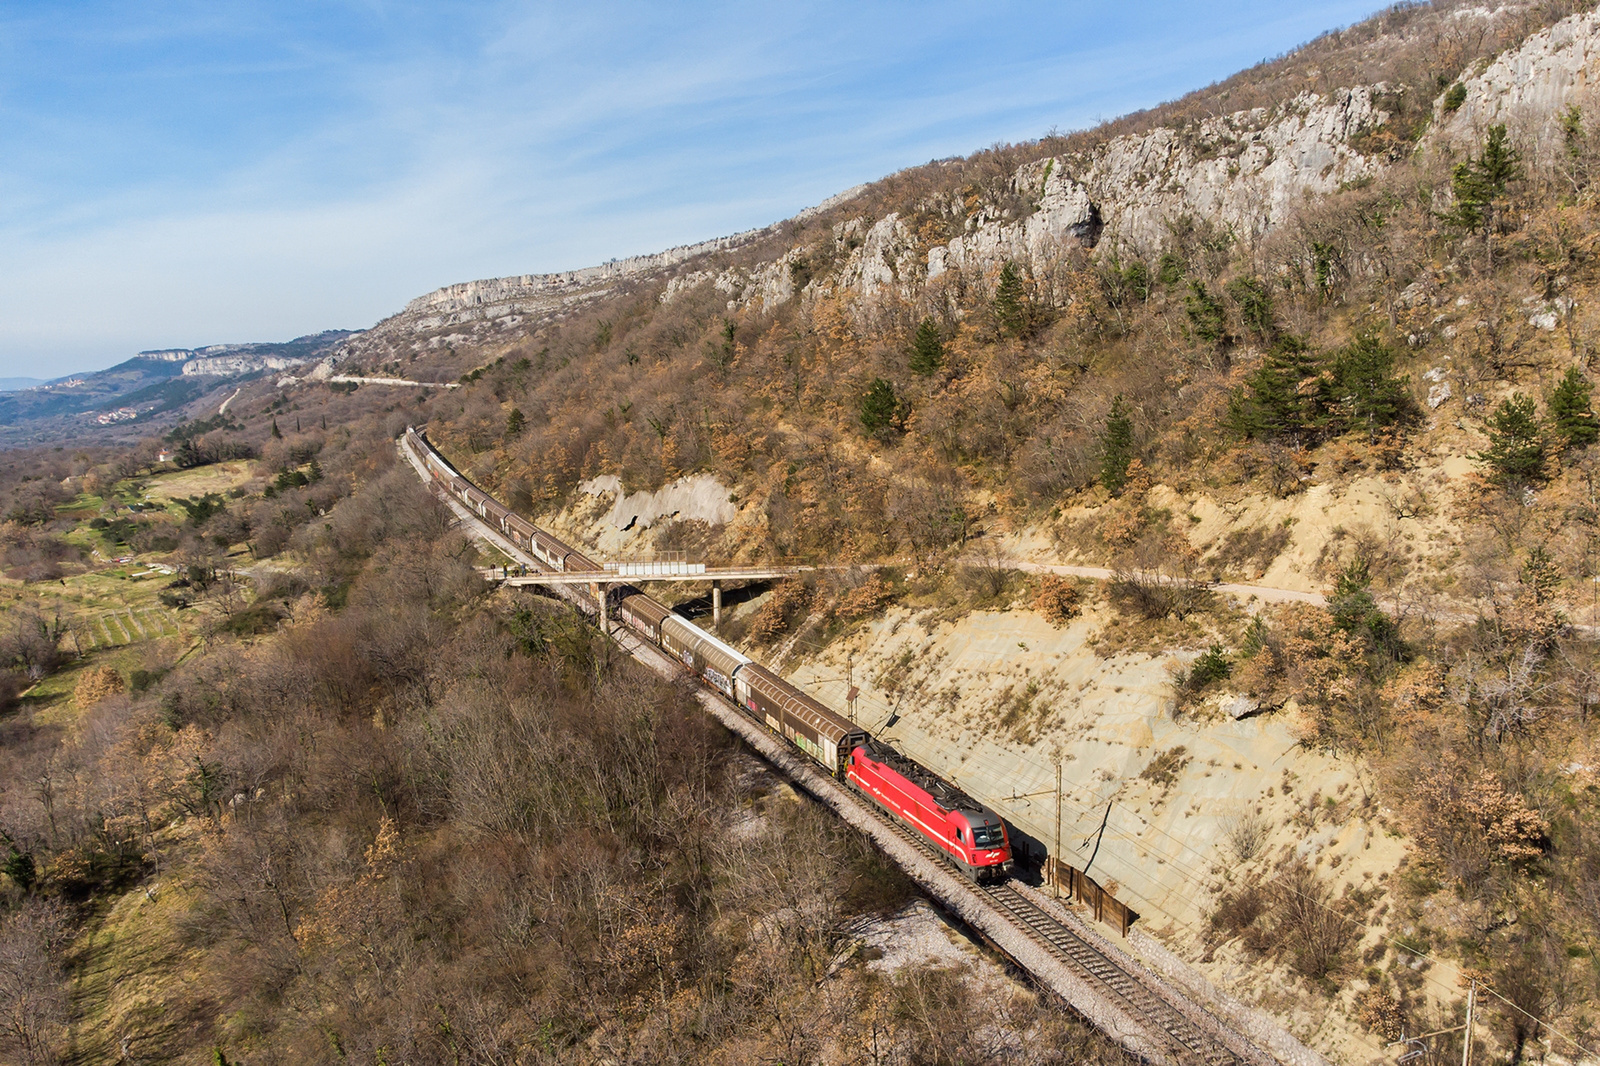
[988, 836]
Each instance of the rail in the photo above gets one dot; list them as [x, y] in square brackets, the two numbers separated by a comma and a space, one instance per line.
[1166, 1014]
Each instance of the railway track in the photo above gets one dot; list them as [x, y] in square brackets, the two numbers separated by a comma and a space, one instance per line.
[1187, 1041]
[1135, 993]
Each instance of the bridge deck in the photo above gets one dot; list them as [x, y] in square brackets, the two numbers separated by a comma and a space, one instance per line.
[608, 577]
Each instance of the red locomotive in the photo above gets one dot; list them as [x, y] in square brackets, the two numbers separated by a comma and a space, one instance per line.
[970, 834]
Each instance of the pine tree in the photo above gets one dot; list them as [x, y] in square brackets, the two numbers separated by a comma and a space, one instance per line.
[1515, 455]
[1500, 164]
[1116, 447]
[514, 423]
[1365, 387]
[927, 349]
[1255, 306]
[1011, 309]
[1570, 414]
[1206, 315]
[277, 434]
[1271, 405]
[1479, 183]
[880, 408]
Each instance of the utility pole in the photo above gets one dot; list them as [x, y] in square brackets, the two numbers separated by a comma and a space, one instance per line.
[1466, 1043]
[1055, 856]
[851, 692]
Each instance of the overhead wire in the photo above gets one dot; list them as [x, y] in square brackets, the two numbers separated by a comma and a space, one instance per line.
[1200, 880]
[1195, 876]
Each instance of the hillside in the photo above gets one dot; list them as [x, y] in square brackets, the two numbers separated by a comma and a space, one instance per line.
[124, 402]
[1324, 332]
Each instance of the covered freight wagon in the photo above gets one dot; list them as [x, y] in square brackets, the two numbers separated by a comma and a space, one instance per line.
[644, 614]
[818, 731]
[707, 656]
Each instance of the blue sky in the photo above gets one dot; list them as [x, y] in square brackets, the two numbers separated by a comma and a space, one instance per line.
[179, 174]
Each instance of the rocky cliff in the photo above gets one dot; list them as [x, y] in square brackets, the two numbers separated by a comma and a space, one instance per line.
[1244, 173]
[1529, 89]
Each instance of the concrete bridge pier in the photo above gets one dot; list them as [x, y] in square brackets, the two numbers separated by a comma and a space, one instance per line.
[716, 604]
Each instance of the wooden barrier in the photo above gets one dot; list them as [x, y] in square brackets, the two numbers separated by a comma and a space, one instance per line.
[1080, 886]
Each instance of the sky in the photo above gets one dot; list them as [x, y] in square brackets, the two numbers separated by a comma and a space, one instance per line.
[180, 174]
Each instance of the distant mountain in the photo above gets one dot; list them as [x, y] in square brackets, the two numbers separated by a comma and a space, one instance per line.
[144, 388]
[18, 384]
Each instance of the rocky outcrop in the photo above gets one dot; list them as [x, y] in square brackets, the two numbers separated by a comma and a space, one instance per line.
[1528, 88]
[1243, 173]
[503, 299]
[225, 365]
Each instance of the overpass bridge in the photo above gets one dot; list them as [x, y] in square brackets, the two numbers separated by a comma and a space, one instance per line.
[638, 572]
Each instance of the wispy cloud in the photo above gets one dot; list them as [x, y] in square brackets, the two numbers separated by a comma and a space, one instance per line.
[195, 172]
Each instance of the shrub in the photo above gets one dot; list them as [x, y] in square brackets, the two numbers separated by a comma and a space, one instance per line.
[1310, 930]
[96, 685]
[1056, 600]
[868, 599]
[1255, 306]
[1207, 319]
[1165, 768]
[788, 601]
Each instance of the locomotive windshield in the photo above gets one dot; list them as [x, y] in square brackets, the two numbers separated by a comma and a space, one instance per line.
[988, 836]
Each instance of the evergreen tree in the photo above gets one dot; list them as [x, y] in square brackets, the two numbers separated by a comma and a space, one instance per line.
[1271, 405]
[1500, 165]
[1570, 413]
[1364, 385]
[1479, 183]
[927, 349]
[277, 434]
[514, 423]
[1255, 306]
[1011, 311]
[20, 867]
[1515, 455]
[1206, 315]
[880, 409]
[1116, 447]
[1170, 269]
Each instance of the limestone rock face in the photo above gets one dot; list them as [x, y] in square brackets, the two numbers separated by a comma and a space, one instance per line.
[1528, 88]
[885, 258]
[1064, 215]
[223, 365]
[1243, 172]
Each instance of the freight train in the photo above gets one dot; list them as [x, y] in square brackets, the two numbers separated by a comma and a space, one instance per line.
[968, 834]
